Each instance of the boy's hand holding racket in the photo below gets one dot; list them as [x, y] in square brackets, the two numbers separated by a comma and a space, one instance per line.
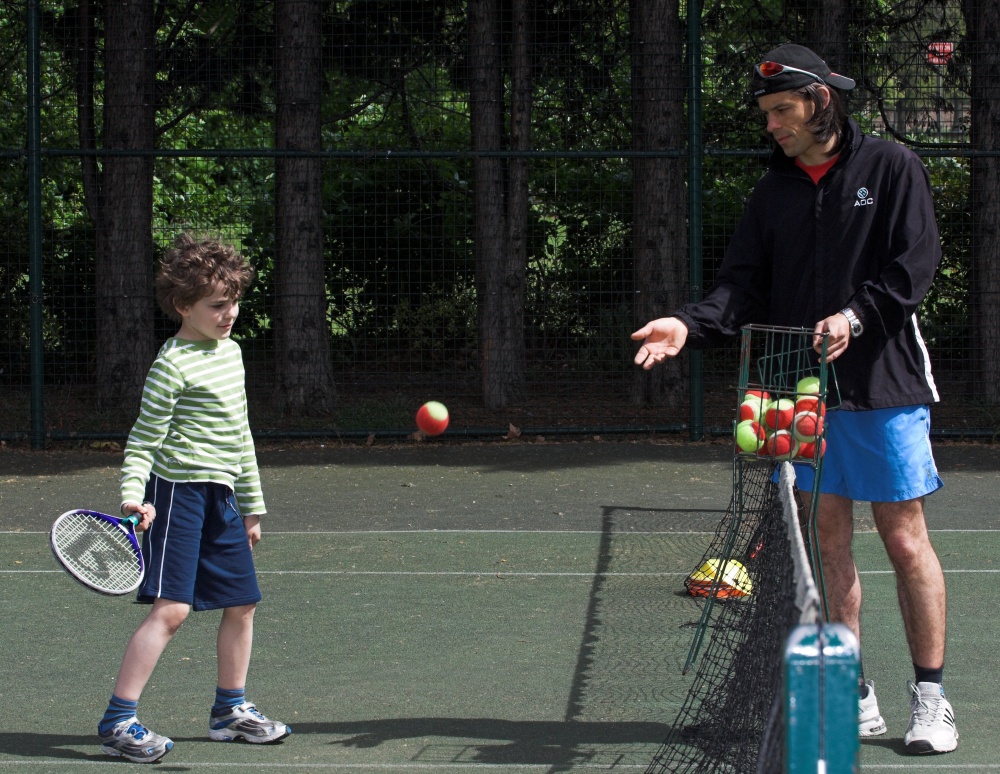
[146, 513]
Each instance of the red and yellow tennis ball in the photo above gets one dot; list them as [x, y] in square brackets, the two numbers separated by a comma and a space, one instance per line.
[807, 451]
[779, 414]
[810, 403]
[806, 426]
[750, 436]
[752, 408]
[781, 445]
[808, 385]
[432, 418]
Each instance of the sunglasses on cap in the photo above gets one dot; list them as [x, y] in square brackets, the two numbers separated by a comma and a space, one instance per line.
[772, 69]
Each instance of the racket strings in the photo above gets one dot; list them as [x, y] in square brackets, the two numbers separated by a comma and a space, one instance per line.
[98, 551]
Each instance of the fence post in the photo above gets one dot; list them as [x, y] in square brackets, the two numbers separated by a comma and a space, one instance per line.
[697, 394]
[37, 345]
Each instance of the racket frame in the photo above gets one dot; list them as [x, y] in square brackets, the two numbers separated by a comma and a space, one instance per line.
[125, 525]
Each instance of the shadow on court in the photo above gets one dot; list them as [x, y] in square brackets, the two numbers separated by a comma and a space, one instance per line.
[437, 606]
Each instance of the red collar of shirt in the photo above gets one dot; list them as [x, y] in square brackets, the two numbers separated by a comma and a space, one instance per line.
[817, 172]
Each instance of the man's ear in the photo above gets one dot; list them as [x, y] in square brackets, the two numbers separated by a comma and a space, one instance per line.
[825, 91]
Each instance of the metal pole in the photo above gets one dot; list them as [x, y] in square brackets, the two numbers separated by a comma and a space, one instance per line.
[695, 150]
[35, 230]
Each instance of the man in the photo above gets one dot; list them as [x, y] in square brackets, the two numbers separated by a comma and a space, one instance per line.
[839, 238]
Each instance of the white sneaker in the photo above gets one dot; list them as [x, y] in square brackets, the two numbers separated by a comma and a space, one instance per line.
[932, 721]
[870, 722]
[246, 722]
[132, 740]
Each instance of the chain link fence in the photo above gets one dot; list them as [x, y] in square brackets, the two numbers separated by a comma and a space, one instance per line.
[471, 202]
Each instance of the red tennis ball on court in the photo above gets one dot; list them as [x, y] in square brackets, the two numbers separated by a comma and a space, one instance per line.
[432, 418]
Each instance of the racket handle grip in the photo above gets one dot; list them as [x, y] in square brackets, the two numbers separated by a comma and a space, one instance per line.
[133, 519]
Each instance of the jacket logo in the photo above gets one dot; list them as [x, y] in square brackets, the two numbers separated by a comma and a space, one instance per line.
[863, 199]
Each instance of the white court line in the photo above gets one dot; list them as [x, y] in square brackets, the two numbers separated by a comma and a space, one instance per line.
[451, 532]
[361, 766]
[933, 766]
[499, 573]
[468, 766]
[507, 532]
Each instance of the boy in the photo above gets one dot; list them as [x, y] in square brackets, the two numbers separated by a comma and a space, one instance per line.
[190, 471]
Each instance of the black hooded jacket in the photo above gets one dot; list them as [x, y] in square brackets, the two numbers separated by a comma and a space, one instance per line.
[866, 237]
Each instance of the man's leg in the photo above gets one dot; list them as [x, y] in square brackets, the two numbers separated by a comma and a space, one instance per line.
[835, 528]
[919, 580]
[921, 590]
[842, 586]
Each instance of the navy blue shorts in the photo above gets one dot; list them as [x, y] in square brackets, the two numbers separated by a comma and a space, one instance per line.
[197, 550]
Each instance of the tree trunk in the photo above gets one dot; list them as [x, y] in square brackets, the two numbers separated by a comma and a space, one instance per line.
[659, 230]
[500, 213]
[827, 32]
[982, 52]
[304, 383]
[124, 265]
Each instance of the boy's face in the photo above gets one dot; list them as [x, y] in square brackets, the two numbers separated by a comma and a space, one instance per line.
[210, 318]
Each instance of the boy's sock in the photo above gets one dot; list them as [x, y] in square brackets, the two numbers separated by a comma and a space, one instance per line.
[925, 675]
[226, 699]
[118, 710]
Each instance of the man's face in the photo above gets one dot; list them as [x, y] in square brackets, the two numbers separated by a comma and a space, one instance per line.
[787, 114]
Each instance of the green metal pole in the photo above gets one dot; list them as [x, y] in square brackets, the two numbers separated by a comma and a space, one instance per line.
[695, 150]
[35, 230]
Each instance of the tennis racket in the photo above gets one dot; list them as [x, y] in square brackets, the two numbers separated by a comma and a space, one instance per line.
[99, 551]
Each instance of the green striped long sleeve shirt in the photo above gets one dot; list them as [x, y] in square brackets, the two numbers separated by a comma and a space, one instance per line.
[193, 424]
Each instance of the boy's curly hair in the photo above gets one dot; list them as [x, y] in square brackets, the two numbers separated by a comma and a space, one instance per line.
[192, 268]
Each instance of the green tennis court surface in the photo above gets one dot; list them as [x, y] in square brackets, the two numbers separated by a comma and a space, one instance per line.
[458, 608]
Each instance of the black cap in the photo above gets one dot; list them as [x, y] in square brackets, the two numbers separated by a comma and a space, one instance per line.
[800, 58]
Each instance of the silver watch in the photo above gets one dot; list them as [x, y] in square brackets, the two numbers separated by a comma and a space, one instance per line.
[856, 327]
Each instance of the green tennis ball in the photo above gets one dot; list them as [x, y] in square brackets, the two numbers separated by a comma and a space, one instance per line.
[808, 385]
[749, 435]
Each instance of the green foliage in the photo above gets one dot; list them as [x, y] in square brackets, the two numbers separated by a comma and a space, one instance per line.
[397, 178]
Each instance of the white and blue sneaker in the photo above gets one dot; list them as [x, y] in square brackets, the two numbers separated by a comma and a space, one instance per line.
[932, 721]
[246, 722]
[870, 722]
[132, 740]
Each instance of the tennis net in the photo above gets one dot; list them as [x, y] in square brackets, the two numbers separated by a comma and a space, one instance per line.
[731, 719]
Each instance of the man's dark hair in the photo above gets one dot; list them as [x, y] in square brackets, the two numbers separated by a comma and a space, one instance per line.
[828, 120]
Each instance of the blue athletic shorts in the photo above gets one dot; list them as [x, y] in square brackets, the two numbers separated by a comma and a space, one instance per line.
[197, 550]
[876, 456]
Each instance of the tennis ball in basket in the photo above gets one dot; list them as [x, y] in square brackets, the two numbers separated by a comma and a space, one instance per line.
[749, 435]
[781, 445]
[810, 403]
[779, 414]
[806, 426]
[760, 395]
[432, 418]
[808, 385]
[752, 408]
[807, 451]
